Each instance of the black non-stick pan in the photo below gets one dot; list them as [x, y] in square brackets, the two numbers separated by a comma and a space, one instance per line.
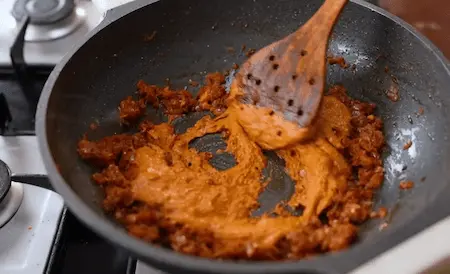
[192, 38]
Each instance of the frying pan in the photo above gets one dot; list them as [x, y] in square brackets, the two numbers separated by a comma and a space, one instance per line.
[191, 39]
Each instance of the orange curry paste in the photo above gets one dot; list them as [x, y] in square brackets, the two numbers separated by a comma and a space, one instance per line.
[166, 192]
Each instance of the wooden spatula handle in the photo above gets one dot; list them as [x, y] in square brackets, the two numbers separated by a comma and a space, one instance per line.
[312, 38]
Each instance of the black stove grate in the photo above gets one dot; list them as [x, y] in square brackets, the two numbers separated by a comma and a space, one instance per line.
[20, 88]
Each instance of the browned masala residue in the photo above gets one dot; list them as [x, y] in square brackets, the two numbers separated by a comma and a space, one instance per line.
[421, 111]
[250, 52]
[338, 61]
[393, 92]
[406, 185]
[150, 37]
[383, 226]
[407, 145]
[93, 126]
[166, 193]
[193, 83]
[230, 49]
[381, 213]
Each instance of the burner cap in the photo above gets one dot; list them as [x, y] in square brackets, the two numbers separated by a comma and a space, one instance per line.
[43, 12]
[48, 11]
[5, 180]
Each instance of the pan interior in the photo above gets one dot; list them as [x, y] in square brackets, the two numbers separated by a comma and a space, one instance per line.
[280, 186]
[194, 37]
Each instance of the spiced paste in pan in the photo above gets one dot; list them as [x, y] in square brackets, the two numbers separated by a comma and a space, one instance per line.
[167, 193]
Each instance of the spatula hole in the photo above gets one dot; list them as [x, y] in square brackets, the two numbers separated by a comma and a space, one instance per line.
[294, 76]
[255, 99]
[303, 52]
[290, 102]
[258, 82]
[271, 57]
[312, 81]
[276, 88]
[249, 76]
[275, 66]
[300, 112]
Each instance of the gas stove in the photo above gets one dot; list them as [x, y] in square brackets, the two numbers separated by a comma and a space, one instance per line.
[54, 26]
[38, 234]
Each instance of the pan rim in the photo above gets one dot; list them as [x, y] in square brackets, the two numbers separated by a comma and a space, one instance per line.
[164, 257]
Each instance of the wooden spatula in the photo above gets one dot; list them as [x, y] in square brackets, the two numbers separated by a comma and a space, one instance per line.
[289, 75]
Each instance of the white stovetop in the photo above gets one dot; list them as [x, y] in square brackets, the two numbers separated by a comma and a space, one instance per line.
[415, 255]
[26, 240]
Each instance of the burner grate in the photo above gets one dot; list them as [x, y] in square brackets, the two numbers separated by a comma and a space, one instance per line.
[20, 88]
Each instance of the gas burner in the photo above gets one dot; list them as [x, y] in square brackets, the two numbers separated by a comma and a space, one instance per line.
[27, 236]
[5, 180]
[48, 32]
[47, 38]
[43, 12]
[49, 19]
[11, 195]
[11, 203]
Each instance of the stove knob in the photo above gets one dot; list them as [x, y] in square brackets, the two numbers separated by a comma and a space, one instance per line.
[48, 11]
[5, 180]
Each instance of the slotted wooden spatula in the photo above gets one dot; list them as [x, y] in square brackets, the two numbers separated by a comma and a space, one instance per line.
[289, 75]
